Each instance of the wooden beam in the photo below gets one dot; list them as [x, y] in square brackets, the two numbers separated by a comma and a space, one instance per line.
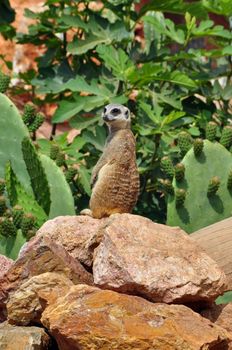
[216, 240]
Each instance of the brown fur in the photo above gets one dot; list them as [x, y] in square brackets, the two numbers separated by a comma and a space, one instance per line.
[115, 177]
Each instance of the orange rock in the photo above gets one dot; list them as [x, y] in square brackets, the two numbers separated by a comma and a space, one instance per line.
[91, 319]
[23, 338]
[161, 263]
[5, 264]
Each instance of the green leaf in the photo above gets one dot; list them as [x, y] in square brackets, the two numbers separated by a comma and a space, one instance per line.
[174, 115]
[149, 112]
[84, 179]
[115, 32]
[116, 60]
[222, 7]
[178, 78]
[11, 245]
[81, 123]
[97, 139]
[7, 14]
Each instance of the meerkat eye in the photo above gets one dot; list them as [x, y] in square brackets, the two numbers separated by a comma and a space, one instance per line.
[127, 114]
[105, 110]
[115, 111]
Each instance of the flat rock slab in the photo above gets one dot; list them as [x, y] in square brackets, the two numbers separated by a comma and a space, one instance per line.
[92, 319]
[158, 262]
[24, 307]
[23, 338]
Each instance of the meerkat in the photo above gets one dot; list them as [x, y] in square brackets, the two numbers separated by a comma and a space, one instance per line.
[115, 177]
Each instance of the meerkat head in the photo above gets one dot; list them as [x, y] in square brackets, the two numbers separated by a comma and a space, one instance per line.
[116, 116]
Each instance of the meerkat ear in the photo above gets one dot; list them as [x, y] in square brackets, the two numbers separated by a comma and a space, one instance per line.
[127, 113]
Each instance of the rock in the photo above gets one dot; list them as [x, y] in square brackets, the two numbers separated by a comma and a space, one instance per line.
[23, 338]
[221, 315]
[45, 257]
[158, 262]
[92, 319]
[23, 307]
[5, 264]
[79, 235]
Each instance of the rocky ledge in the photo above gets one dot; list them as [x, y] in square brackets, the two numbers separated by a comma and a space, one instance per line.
[122, 282]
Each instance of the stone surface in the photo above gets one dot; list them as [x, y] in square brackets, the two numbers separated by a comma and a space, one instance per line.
[45, 257]
[221, 315]
[23, 307]
[79, 235]
[23, 338]
[155, 261]
[5, 264]
[92, 319]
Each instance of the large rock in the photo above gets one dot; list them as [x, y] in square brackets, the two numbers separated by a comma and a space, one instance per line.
[79, 235]
[92, 319]
[23, 338]
[158, 262]
[23, 307]
[45, 257]
[221, 315]
[5, 264]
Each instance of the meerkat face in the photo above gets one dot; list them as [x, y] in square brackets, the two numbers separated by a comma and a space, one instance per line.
[116, 116]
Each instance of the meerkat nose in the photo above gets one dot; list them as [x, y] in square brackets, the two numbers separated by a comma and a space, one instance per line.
[106, 118]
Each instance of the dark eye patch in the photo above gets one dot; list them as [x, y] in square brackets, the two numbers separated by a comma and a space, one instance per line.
[105, 110]
[115, 111]
[127, 114]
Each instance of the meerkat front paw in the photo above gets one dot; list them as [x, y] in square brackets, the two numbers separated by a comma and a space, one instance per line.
[87, 212]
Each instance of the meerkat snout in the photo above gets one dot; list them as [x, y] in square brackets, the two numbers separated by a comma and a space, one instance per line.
[116, 116]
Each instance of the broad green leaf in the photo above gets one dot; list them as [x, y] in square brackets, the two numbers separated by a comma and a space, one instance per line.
[220, 7]
[178, 78]
[174, 115]
[97, 139]
[81, 123]
[84, 179]
[149, 112]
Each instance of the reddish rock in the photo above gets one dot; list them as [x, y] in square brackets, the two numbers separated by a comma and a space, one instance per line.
[45, 257]
[92, 319]
[79, 235]
[23, 338]
[24, 307]
[161, 263]
[5, 264]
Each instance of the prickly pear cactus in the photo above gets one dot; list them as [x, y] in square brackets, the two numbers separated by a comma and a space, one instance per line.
[204, 195]
[44, 198]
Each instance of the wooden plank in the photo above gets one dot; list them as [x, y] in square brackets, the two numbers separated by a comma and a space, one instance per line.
[216, 240]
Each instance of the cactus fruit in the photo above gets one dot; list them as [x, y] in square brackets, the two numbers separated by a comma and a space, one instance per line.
[17, 214]
[7, 227]
[70, 174]
[198, 146]
[167, 186]
[179, 171]
[180, 197]
[184, 142]
[27, 223]
[38, 121]
[2, 205]
[2, 186]
[207, 182]
[54, 150]
[226, 138]
[167, 167]
[213, 186]
[210, 132]
[4, 82]
[29, 114]
[60, 159]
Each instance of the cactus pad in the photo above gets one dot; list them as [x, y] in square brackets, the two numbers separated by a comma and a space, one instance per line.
[199, 208]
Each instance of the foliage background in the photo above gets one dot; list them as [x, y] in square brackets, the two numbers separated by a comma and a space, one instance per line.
[94, 53]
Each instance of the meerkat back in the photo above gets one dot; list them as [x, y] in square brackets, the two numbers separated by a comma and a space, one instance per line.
[115, 178]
